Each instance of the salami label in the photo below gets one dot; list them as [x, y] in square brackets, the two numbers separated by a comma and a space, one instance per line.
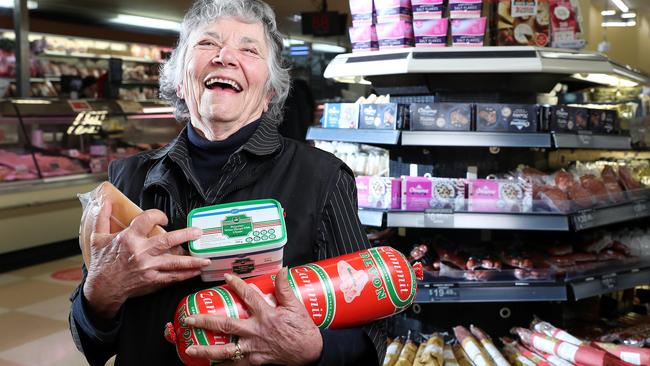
[543, 344]
[633, 358]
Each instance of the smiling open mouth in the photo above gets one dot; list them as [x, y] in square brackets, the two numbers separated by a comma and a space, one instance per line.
[223, 83]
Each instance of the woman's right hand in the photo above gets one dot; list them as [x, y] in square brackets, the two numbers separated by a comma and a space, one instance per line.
[128, 263]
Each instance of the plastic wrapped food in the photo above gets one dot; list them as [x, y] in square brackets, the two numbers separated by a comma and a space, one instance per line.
[418, 354]
[472, 348]
[551, 331]
[461, 356]
[580, 196]
[563, 179]
[489, 346]
[377, 283]
[393, 351]
[433, 352]
[584, 355]
[555, 198]
[407, 355]
[633, 355]
[123, 211]
[595, 186]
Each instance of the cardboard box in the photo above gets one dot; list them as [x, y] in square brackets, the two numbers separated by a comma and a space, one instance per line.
[499, 195]
[340, 115]
[567, 119]
[522, 25]
[441, 116]
[423, 193]
[384, 116]
[603, 121]
[379, 192]
[507, 117]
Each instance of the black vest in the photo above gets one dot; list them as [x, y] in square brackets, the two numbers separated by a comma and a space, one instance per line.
[296, 175]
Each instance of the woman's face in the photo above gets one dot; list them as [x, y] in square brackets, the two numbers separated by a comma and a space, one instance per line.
[226, 73]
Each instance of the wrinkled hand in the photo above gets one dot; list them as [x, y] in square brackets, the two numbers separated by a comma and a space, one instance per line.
[284, 335]
[128, 263]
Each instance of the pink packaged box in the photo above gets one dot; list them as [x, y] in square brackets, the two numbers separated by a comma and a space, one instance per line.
[427, 9]
[362, 12]
[395, 35]
[430, 32]
[468, 32]
[416, 193]
[423, 193]
[393, 10]
[465, 8]
[364, 38]
[378, 192]
[498, 195]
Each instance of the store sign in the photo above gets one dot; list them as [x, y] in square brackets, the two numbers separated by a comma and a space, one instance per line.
[89, 122]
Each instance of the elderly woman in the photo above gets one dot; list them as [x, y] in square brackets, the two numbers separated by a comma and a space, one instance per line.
[226, 81]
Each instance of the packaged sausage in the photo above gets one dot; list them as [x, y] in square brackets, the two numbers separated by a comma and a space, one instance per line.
[392, 352]
[472, 348]
[514, 356]
[461, 356]
[123, 211]
[585, 355]
[450, 358]
[339, 292]
[416, 360]
[433, 352]
[529, 354]
[407, 355]
[551, 331]
[489, 346]
[633, 355]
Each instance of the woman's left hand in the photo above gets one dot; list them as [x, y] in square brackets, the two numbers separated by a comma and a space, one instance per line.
[284, 334]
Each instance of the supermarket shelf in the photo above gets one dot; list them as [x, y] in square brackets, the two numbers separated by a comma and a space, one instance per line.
[383, 137]
[487, 139]
[588, 219]
[479, 220]
[135, 83]
[588, 141]
[486, 292]
[370, 217]
[466, 60]
[611, 279]
[91, 56]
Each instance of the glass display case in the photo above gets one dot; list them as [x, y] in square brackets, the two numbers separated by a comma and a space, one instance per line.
[16, 159]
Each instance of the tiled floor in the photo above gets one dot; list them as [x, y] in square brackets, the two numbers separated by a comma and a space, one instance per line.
[34, 309]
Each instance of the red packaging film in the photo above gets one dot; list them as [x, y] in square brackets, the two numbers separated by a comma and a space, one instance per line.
[585, 355]
[339, 292]
[629, 354]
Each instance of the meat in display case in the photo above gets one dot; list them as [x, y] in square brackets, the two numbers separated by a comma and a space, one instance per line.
[16, 160]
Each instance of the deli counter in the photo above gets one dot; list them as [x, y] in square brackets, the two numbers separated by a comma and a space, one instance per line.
[51, 150]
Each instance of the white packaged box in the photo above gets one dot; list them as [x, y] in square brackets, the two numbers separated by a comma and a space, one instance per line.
[245, 238]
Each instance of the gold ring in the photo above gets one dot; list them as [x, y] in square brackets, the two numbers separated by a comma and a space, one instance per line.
[239, 355]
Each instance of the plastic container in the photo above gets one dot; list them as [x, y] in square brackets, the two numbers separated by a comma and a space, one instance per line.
[245, 238]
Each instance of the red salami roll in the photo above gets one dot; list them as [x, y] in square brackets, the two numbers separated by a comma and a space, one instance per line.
[338, 292]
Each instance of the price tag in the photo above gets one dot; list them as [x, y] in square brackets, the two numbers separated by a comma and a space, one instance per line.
[609, 281]
[444, 293]
[584, 219]
[641, 208]
[438, 219]
[585, 140]
[371, 217]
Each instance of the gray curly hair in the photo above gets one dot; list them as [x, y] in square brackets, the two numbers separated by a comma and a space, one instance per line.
[205, 11]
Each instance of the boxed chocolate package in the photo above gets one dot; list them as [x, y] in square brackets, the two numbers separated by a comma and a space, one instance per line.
[423, 193]
[507, 117]
[499, 195]
[340, 115]
[603, 120]
[383, 116]
[562, 118]
[441, 116]
[379, 192]
[522, 23]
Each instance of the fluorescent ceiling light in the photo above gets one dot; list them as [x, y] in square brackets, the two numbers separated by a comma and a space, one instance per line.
[605, 79]
[145, 22]
[10, 4]
[607, 13]
[617, 24]
[628, 15]
[621, 5]
[291, 42]
[329, 48]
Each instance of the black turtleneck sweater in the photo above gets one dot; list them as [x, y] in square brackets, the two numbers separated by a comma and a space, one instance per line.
[209, 156]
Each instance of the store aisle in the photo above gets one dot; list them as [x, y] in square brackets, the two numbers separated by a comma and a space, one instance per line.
[34, 309]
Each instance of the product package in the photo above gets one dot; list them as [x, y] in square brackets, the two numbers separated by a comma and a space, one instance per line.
[441, 116]
[430, 32]
[246, 238]
[379, 192]
[527, 23]
[362, 12]
[339, 292]
[383, 116]
[507, 117]
[390, 11]
[567, 119]
[564, 25]
[468, 32]
[364, 38]
[423, 193]
[395, 35]
[427, 9]
[340, 115]
[465, 8]
[603, 121]
[499, 195]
